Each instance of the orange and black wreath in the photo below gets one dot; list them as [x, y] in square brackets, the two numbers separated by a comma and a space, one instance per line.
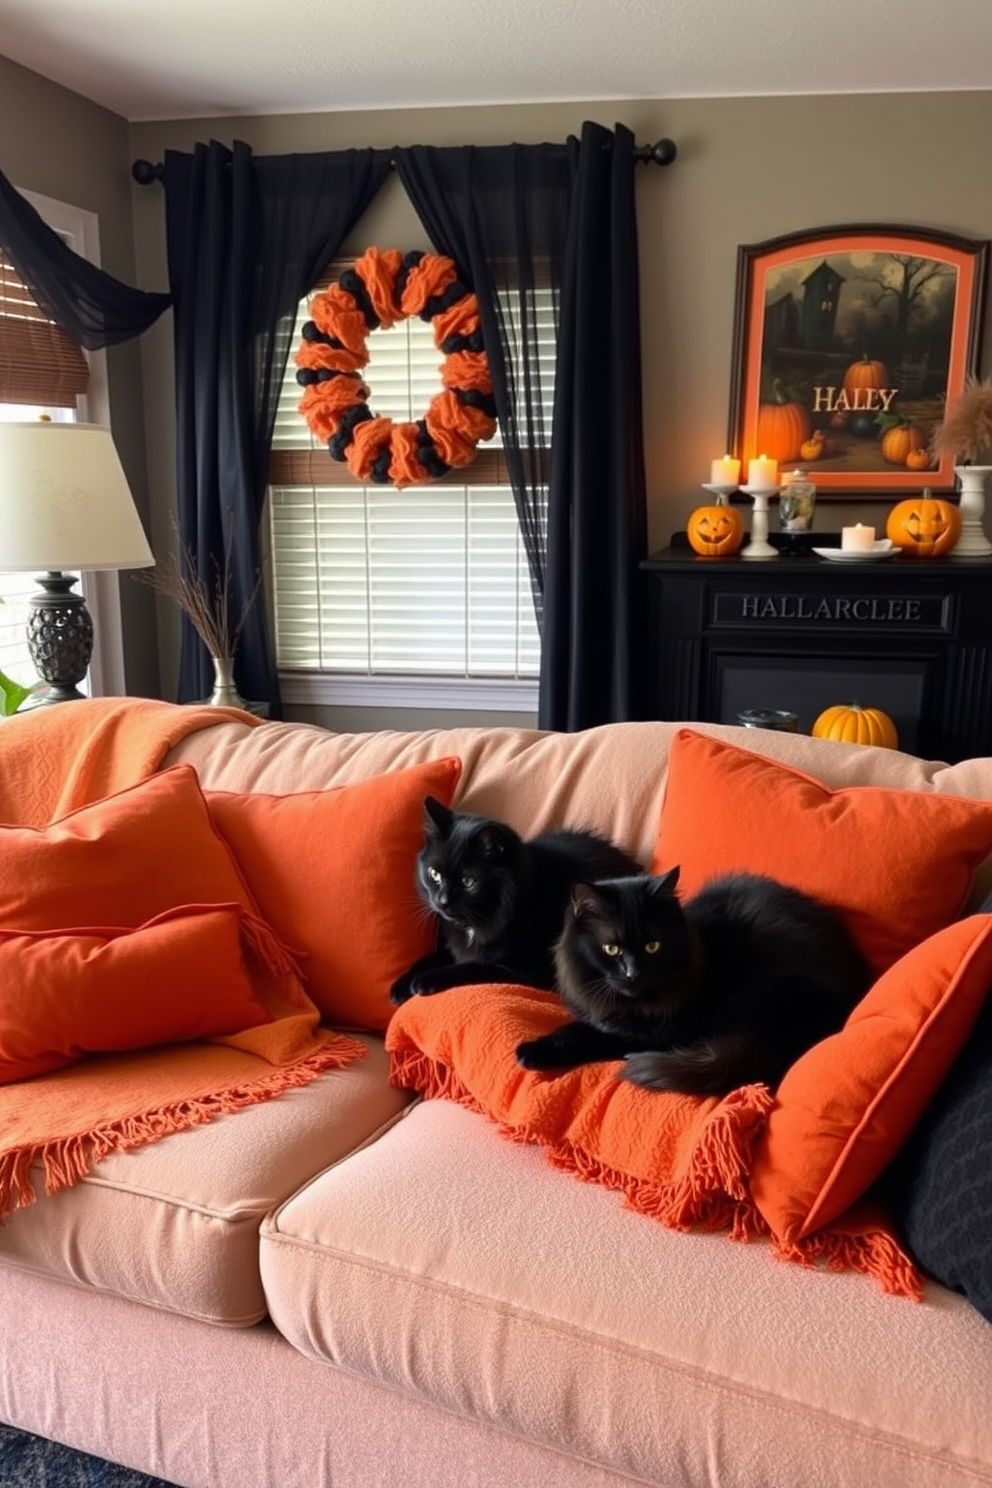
[383, 287]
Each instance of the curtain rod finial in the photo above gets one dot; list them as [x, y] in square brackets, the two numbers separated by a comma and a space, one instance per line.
[662, 152]
[144, 172]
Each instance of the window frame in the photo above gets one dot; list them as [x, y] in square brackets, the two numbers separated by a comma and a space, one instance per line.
[101, 590]
[308, 467]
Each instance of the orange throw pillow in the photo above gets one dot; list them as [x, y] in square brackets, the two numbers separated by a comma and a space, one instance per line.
[68, 993]
[123, 860]
[897, 865]
[844, 1109]
[334, 874]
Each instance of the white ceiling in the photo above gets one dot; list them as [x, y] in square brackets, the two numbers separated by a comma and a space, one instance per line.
[203, 58]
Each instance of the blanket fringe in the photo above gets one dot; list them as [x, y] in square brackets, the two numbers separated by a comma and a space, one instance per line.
[268, 950]
[872, 1253]
[66, 1160]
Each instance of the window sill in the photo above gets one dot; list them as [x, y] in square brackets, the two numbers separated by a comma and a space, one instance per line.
[338, 689]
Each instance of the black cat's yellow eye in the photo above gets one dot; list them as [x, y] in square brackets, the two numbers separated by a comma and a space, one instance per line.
[611, 949]
[433, 875]
[652, 947]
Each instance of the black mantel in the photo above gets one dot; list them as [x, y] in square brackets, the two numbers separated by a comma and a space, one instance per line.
[798, 632]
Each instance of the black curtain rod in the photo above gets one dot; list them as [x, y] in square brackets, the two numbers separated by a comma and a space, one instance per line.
[662, 152]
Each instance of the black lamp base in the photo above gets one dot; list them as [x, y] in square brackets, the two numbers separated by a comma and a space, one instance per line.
[60, 638]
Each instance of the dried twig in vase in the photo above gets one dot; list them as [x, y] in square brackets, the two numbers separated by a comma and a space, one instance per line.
[207, 606]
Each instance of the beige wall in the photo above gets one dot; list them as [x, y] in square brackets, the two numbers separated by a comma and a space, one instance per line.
[63, 146]
[748, 169]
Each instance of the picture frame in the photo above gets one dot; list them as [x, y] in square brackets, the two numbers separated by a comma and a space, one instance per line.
[848, 344]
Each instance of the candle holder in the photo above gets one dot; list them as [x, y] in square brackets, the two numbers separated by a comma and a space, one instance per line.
[720, 492]
[759, 546]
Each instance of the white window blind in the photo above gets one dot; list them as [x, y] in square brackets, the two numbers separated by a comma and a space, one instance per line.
[430, 582]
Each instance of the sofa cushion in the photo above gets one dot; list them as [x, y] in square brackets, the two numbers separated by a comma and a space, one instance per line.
[334, 873]
[897, 865]
[845, 1107]
[939, 1187]
[451, 1265]
[63, 994]
[175, 1224]
[682, 1159]
[125, 859]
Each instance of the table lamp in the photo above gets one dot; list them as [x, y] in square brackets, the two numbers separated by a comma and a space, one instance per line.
[65, 506]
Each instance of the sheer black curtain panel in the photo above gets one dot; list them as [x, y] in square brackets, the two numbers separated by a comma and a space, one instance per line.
[90, 305]
[501, 212]
[563, 216]
[247, 237]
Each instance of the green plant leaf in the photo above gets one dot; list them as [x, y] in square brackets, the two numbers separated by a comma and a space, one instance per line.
[12, 694]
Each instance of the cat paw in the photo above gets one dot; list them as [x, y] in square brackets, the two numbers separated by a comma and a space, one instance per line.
[532, 1054]
[403, 989]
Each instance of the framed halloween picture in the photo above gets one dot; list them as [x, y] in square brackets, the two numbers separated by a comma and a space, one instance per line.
[848, 344]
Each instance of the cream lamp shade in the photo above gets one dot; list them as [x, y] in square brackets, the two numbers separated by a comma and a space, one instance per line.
[65, 503]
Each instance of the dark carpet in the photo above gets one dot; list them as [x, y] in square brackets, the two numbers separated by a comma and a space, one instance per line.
[28, 1461]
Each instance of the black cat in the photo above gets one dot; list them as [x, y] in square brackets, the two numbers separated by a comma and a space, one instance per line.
[724, 990]
[500, 899]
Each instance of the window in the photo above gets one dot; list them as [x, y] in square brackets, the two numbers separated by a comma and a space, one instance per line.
[44, 372]
[413, 597]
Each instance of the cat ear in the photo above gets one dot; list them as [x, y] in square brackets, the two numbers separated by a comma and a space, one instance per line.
[437, 817]
[492, 840]
[665, 883]
[586, 900]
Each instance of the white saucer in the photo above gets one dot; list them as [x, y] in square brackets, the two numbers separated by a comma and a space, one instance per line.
[883, 548]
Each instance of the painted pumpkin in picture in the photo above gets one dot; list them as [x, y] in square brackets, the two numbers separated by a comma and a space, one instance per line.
[901, 441]
[849, 723]
[924, 526]
[715, 531]
[865, 374]
[783, 426]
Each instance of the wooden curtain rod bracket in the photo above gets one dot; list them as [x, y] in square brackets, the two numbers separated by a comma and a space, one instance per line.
[662, 152]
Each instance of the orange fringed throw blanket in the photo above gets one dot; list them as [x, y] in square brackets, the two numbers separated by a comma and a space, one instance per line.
[52, 761]
[682, 1160]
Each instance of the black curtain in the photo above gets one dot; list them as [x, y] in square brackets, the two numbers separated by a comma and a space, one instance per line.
[501, 212]
[90, 305]
[514, 217]
[247, 237]
[594, 624]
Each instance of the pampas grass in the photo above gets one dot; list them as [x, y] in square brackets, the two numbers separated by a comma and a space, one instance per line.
[966, 432]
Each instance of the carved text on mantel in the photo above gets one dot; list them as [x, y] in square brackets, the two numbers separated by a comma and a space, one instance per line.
[830, 609]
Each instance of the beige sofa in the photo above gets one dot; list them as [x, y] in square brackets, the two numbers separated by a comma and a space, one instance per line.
[348, 1288]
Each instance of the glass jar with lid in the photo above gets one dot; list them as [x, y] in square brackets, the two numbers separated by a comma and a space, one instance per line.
[796, 502]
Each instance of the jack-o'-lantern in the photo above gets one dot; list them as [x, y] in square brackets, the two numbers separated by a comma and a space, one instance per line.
[715, 531]
[849, 723]
[924, 526]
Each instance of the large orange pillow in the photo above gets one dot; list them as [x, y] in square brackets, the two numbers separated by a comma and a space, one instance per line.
[897, 865]
[334, 874]
[64, 994]
[123, 860]
[847, 1105]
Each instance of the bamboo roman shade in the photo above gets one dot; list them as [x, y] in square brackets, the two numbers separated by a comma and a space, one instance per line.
[39, 363]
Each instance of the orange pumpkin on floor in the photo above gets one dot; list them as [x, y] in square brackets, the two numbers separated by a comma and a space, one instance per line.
[715, 531]
[849, 723]
[924, 526]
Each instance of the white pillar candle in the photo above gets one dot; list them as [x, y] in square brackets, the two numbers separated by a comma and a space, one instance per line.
[857, 539]
[725, 472]
[762, 473]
